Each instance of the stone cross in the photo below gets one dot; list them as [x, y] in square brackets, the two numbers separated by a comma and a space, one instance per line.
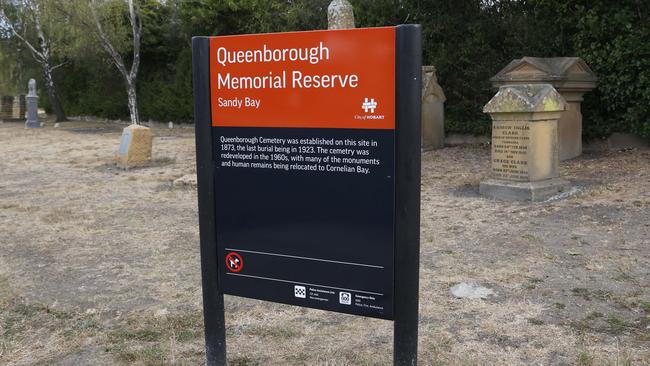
[524, 143]
[32, 106]
[340, 15]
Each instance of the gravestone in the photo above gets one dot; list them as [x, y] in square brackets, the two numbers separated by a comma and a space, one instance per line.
[570, 76]
[524, 153]
[19, 107]
[433, 110]
[32, 106]
[6, 107]
[135, 147]
[340, 15]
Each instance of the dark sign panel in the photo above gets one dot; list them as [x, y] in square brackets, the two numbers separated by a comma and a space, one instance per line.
[304, 152]
[308, 167]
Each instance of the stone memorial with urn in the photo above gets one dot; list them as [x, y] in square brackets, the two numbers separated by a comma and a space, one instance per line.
[32, 106]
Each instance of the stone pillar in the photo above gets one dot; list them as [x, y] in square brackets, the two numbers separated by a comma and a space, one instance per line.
[433, 110]
[525, 150]
[340, 15]
[570, 76]
[135, 147]
[32, 106]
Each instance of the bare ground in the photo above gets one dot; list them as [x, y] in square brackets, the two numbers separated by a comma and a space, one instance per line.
[100, 266]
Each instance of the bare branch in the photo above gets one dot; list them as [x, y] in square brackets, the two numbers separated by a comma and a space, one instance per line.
[60, 65]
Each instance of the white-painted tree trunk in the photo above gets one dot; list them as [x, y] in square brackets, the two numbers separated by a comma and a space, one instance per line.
[133, 101]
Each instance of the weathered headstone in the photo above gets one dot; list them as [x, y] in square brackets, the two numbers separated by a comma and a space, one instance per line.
[524, 143]
[433, 110]
[340, 15]
[135, 147]
[32, 106]
[6, 107]
[570, 76]
[18, 108]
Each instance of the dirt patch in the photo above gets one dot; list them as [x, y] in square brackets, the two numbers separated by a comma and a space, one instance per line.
[100, 265]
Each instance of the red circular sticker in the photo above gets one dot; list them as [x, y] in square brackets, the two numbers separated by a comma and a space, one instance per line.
[234, 262]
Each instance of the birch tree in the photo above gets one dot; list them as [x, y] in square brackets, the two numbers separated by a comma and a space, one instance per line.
[130, 75]
[29, 13]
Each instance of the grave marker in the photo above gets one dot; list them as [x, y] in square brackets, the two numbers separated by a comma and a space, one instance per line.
[433, 110]
[340, 15]
[32, 106]
[571, 77]
[135, 147]
[524, 143]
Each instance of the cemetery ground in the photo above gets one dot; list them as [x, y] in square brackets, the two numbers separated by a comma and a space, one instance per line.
[101, 266]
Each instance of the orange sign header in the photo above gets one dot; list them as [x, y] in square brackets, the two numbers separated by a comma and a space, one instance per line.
[319, 79]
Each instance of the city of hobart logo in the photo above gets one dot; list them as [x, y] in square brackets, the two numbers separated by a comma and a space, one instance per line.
[369, 105]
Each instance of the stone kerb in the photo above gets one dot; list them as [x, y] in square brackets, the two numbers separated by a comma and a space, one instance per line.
[524, 155]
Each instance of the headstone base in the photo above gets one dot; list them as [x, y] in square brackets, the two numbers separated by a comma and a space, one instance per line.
[32, 124]
[523, 191]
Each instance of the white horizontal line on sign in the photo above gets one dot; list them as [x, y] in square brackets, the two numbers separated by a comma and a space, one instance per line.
[304, 283]
[306, 258]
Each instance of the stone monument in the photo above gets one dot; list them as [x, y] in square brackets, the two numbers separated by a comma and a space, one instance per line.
[524, 143]
[32, 106]
[568, 75]
[135, 147]
[340, 15]
[433, 110]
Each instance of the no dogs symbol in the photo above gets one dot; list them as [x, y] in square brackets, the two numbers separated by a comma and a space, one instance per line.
[234, 262]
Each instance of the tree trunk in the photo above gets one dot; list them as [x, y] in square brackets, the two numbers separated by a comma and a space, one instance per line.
[133, 101]
[53, 96]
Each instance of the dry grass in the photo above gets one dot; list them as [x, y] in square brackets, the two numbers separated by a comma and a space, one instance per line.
[100, 266]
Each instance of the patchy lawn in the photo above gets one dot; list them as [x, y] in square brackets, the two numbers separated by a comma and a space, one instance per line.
[100, 266]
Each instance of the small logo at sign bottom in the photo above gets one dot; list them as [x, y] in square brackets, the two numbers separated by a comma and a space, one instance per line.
[345, 298]
[300, 291]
